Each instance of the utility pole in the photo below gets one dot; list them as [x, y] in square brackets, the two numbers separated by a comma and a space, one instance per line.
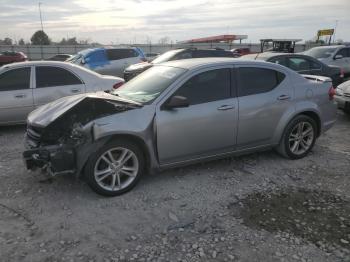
[41, 19]
[335, 29]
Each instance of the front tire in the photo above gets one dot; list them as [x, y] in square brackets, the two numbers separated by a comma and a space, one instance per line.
[298, 138]
[115, 168]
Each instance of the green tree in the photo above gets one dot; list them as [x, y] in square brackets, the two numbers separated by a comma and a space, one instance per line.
[40, 38]
[21, 42]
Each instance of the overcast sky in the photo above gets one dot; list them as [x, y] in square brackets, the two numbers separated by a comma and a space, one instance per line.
[129, 21]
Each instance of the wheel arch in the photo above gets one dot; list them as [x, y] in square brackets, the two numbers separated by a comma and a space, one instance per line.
[140, 142]
[310, 112]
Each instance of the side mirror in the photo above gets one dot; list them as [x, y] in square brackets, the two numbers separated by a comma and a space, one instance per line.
[176, 102]
[83, 62]
[338, 57]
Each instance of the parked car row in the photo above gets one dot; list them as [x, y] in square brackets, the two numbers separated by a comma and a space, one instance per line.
[177, 54]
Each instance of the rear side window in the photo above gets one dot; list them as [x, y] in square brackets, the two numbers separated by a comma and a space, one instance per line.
[298, 64]
[117, 54]
[47, 76]
[208, 86]
[253, 80]
[15, 79]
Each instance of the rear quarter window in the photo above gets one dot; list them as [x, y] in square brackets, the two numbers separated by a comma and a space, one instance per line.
[255, 80]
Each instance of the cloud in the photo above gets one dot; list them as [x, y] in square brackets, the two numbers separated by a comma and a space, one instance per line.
[125, 20]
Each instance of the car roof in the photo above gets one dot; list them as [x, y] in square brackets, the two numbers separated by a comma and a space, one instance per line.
[199, 62]
[328, 46]
[266, 55]
[36, 63]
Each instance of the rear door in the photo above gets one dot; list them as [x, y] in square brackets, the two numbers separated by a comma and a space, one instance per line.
[264, 96]
[16, 95]
[52, 82]
[207, 127]
[343, 62]
[119, 59]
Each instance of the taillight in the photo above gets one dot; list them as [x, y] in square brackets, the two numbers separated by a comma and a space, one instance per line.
[341, 73]
[117, 85]
[331, 93]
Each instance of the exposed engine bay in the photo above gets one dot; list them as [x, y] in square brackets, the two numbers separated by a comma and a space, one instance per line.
[54, 146]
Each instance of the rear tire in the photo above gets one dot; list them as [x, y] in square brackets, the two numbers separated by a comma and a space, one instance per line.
[298, 138]
[115, 168]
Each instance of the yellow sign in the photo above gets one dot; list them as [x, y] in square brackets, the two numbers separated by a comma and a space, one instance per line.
[325, 32]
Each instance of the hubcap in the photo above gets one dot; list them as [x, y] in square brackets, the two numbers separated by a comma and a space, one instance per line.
[301, 137]
[116, 169]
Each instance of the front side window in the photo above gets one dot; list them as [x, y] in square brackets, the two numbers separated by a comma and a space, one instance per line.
[47, 76]
[207, 86]
[254, 80]
[15, 79]
[343, 52]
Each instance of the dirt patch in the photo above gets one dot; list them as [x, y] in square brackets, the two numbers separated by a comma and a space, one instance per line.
[317, 216]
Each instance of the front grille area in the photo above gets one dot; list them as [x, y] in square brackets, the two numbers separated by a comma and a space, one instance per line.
[33, 136]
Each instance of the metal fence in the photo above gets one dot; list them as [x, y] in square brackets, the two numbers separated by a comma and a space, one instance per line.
[37, 52]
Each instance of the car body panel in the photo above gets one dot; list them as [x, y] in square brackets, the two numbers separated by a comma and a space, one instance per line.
[190, 134]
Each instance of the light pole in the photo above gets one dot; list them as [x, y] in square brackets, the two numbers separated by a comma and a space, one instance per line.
[41, 19]
[335, 29]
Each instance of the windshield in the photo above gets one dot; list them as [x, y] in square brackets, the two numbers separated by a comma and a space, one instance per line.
[149, 85]
[167, 56]
[320, 52]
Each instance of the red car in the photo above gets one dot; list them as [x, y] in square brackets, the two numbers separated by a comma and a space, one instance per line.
[8, 57]
[237, 52]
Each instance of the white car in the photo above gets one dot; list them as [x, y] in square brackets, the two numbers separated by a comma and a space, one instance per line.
[336, 55]
[342, 96]
[27, 85]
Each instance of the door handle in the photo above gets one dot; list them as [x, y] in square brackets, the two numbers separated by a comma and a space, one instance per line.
[20, 96]
[226, 107]
[283, 97]
[75, 90]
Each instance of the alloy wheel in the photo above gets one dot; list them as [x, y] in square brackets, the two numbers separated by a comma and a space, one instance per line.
[116, 169]
[301, 138]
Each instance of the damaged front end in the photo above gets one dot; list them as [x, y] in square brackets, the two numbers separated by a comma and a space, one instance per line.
[59, 132]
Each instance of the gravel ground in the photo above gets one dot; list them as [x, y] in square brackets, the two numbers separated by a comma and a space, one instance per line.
[257, 207]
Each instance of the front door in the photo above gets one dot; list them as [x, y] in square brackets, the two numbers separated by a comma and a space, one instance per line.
[207, 126]
[55, 82]
[16, 96]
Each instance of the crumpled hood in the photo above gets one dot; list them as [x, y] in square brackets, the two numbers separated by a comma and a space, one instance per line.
[48, 113]
[139, 66]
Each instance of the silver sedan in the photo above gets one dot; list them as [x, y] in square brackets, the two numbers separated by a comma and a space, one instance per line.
[178, 113]
[28, 85]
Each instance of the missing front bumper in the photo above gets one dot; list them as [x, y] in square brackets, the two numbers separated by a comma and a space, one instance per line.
[58, 159]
